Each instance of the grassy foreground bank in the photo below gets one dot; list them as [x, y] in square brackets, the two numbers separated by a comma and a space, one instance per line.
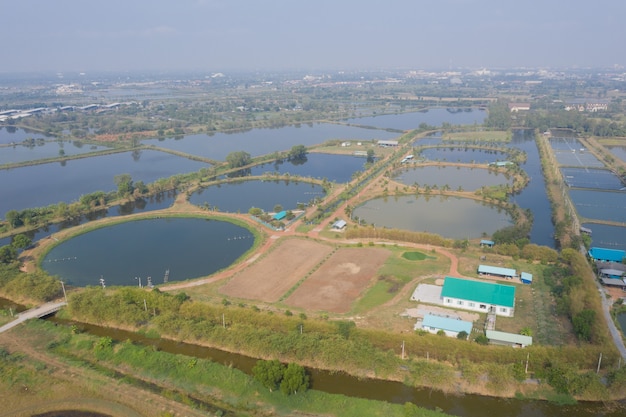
[199, 385]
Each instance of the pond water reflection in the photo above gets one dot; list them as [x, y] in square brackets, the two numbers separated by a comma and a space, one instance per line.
[45, 184]
[240, 196]
[187, 247]
[265, 141]
[42, 150]
[454, 177]
[451, 217]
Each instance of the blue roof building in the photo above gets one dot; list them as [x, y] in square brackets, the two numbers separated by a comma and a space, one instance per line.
[280, 215]
[488, 243]
[526, 278]
[606, 255]
[451, 327]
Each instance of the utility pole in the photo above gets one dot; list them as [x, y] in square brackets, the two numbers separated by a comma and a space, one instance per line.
[64, 293]
[139, 279]
[403, 349]
[145, 306]
[223, 321]
[599, 362]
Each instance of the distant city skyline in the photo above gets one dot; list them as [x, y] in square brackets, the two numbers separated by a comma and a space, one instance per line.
[244, 35]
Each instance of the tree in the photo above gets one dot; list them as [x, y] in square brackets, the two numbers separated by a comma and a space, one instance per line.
[370, 155]
[14, 218]
[124, 184]
[7, 254]
[297, 152]
[269, 373]
[238, 159]
[583, 323]
[21, 241]
[294, 379]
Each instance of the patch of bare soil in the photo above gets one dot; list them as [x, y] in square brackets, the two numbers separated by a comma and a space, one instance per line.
[340, 281]
[273, 275]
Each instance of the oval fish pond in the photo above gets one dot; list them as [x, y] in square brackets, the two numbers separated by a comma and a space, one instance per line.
[125, 253]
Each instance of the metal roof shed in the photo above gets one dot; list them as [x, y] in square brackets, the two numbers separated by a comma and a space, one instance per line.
[280, 215]
[612, 273]
[609, 255]
[495, 270]
[485, 242]
[526, 278]
[339, 224]
[509, 339]
[452, 327]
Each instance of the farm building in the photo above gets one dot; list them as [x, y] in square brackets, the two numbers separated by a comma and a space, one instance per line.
[451, 327]
[339, 224]
[280, 215]
[487, 243]
[508, 339]
[606, 255]
[479, 296]
[497, 271]
[526, 278]
[388, 143]
[611, 273]
[613, 282]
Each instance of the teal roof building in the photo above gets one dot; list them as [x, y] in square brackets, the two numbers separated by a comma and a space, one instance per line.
[478, 296]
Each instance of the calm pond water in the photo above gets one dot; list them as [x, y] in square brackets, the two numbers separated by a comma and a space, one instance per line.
[45, 184]
[394, 392]
[600, 205]
[21, 153]
[533, 196]
[569, 152]
[432, 117]
[454, 177]
[464, 155]
[265, 141]
[141, 205]
[606, 236]
[240, 196]
[11, 134]
[335, 168]
[618, 151]
[451, 217]
[591, 178]
[187, 247]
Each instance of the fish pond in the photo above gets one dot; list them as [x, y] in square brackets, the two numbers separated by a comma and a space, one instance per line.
[124, 253]
[454, 177]
[451, 217]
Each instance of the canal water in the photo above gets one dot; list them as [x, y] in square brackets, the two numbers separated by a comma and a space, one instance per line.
[124, 253]
[395, 392]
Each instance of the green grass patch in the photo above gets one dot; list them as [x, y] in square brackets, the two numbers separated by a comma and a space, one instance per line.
[414, 256]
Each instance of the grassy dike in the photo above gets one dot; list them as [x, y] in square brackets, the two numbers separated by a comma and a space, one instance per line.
[197, 383]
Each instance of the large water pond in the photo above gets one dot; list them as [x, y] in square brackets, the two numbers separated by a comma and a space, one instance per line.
[240, 196]
[569, 152]
[464, 155]
[122, 253]
[618, 151]
[600, 205]
[11, 134]
[454, 177]
[41, 150]
[432, 117]
[591, 178]
[45, 184]
[140, 205]
[606, 236]
[335, 168]
[265, 141]
[451, 217]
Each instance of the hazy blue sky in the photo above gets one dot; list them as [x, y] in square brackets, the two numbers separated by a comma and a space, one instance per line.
[222, 35]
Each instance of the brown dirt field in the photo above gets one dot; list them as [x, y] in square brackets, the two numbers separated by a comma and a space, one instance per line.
[273, 275]
[340, 281]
